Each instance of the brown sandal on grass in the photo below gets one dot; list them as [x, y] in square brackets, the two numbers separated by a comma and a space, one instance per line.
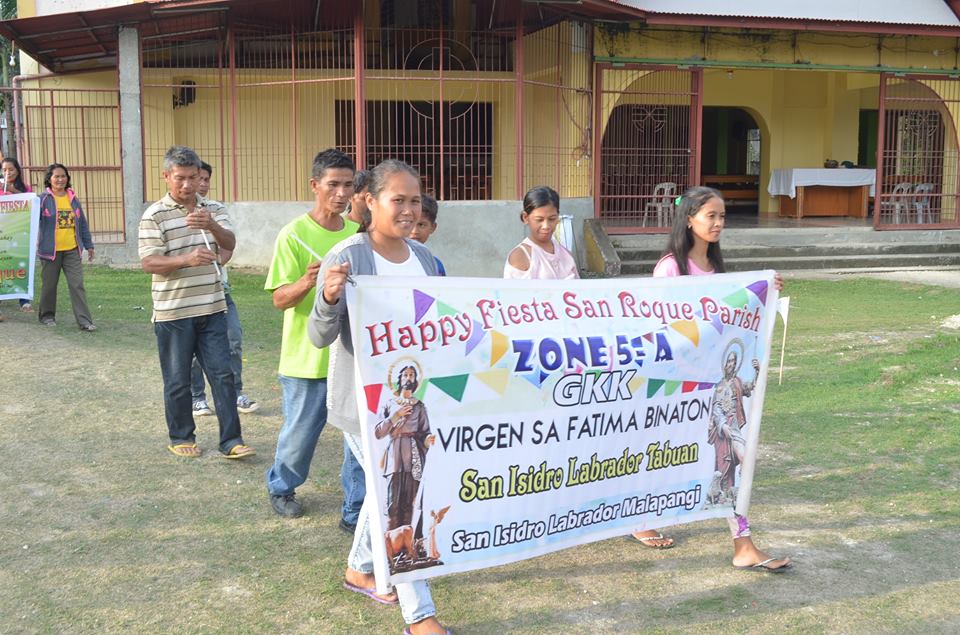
[186, 450]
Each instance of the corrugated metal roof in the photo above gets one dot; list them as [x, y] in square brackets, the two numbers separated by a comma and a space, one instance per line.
[922, 12]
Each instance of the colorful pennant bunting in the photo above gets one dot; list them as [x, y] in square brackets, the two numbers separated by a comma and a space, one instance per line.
[421, 304]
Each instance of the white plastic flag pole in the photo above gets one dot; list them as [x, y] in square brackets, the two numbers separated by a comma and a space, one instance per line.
[783, 308]
[307, 247]
[216, 265]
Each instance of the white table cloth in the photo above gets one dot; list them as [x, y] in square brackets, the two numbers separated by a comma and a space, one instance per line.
[784, 181]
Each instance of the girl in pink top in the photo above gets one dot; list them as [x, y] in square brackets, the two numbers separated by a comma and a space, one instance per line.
[541, 257]
[694, 250]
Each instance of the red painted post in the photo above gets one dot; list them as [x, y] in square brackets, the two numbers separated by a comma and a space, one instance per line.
[359, 98]
[597, 139]
[443, 163]
[881, 126]
[295, 126]
[234, 168]
[696, 122]
[518, 99]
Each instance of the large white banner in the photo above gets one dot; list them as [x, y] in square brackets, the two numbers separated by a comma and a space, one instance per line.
[504, 419]
[19, 220]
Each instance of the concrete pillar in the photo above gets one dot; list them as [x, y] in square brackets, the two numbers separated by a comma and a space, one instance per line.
[131, 137]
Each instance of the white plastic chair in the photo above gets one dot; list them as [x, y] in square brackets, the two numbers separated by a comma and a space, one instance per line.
[661, 204]
[897, 202]
[921, 202]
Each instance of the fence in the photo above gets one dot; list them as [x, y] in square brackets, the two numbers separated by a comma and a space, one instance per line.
[258, 101]
[79, 128]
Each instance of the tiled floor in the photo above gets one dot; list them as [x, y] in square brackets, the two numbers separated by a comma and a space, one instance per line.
[744, 220]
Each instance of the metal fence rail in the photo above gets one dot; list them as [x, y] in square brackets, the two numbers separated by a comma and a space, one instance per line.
[79, 128]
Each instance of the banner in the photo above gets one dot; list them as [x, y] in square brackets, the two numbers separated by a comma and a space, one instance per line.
[504, 419]
[19, 220]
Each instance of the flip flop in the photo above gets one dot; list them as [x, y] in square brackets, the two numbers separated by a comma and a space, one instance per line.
[187, 450]
[407, 631]
[370, 593]
[762, 566]
[239, 451]
[643, 541]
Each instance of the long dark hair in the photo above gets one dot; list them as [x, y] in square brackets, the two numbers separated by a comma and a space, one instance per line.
[50, 169]
[681, 236]
[18, 183]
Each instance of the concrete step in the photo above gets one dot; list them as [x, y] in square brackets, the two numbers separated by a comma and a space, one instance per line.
[794, 236]
[790, 263]
[824, 251]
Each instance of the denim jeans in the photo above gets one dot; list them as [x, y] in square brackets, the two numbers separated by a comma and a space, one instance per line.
[235, 337]
[177, 342]
[354, 486]
[304, 415]
[416, 603]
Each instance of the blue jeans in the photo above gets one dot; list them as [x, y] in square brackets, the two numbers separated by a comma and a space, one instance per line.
[177, 342]
[416, 603]
[354, 486]
[304, 415]
[235, 337]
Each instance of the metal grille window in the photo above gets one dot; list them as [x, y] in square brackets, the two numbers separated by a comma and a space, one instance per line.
[79, 128]
[649, 145]
[917, 179]
[438, 82]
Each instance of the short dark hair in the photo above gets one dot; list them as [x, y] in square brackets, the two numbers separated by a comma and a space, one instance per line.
[206, 167]
[49, 173]
[429, 208]
[328, 159]
[361, 179]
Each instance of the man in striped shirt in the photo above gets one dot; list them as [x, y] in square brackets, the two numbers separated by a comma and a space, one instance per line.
[179, 243]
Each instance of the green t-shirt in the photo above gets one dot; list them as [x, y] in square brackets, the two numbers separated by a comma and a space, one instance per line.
[298, 356]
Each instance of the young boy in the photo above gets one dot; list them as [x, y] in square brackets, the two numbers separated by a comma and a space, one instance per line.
[427, 224]
[357, 207]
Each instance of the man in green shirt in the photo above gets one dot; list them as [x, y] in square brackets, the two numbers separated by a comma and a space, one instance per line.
[292, 280]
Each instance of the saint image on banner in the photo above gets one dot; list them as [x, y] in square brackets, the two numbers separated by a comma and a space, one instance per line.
[407, 427]
[727, 423]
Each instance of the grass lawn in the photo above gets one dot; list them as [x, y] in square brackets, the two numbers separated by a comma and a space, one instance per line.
[103, 530]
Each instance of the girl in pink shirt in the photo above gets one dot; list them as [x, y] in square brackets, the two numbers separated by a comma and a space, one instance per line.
[694, 250]
[541, 257]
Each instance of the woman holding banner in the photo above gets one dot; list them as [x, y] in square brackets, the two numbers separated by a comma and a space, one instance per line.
[13, 183]
[694, 249]
[393, 199]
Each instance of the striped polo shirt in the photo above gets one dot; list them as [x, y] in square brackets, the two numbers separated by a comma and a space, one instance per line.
[189, 291]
